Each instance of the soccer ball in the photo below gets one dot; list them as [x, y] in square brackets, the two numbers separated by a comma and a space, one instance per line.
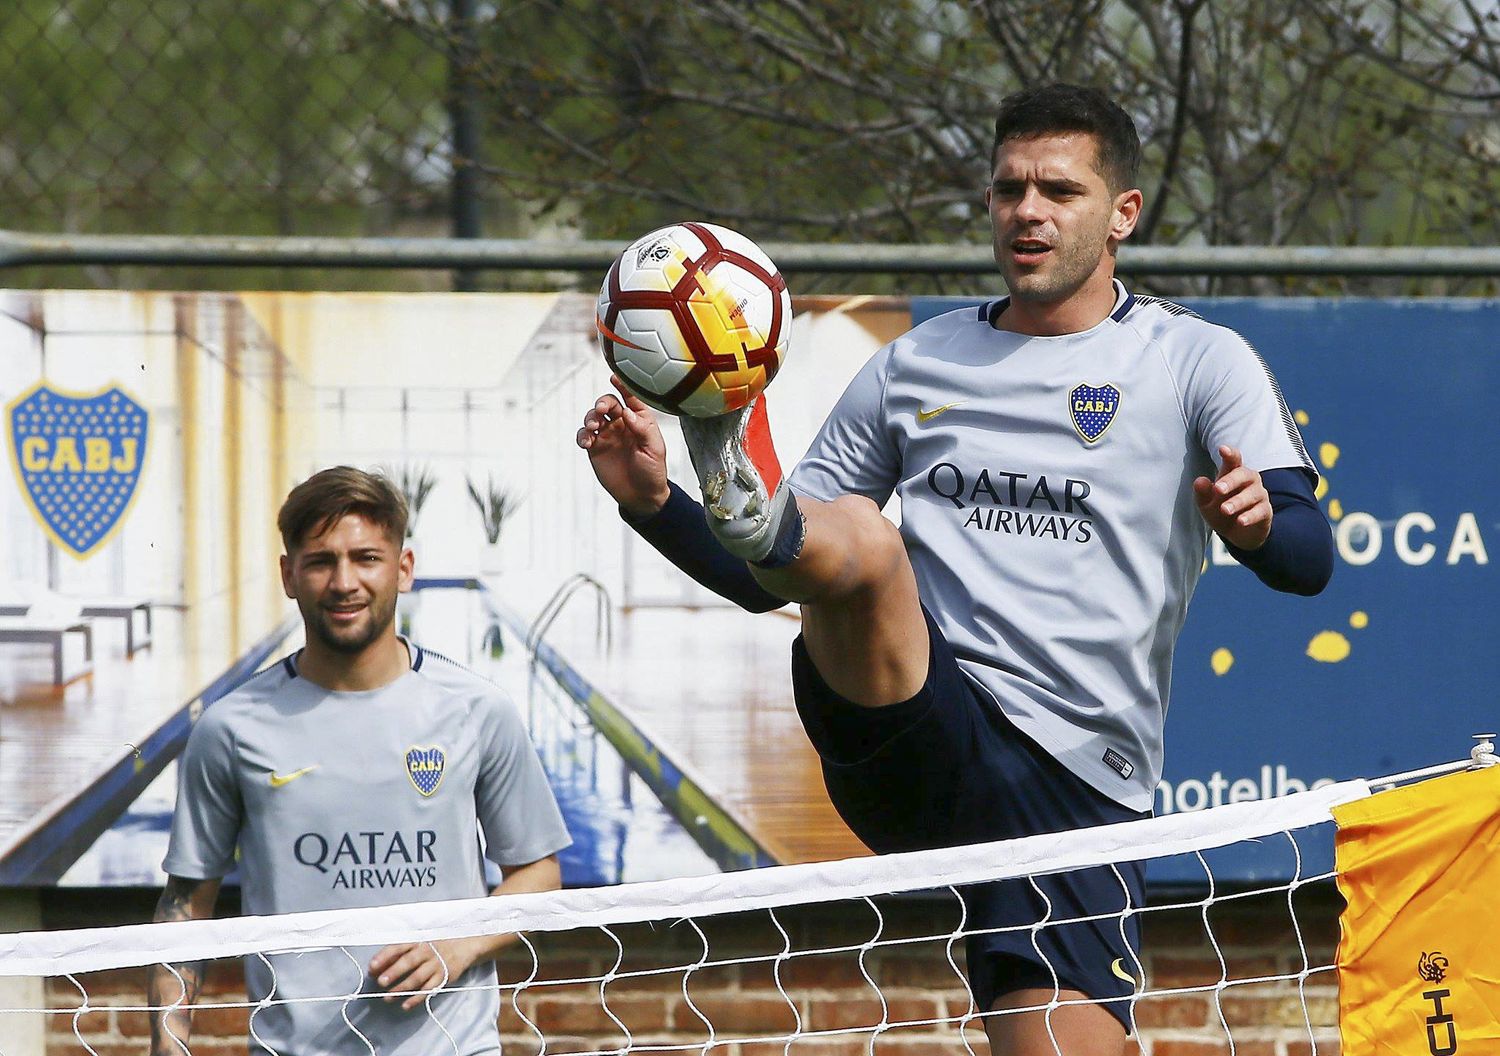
[694, 319]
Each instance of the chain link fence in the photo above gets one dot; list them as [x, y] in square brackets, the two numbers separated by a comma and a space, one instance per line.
[247, 117]
[812, 123]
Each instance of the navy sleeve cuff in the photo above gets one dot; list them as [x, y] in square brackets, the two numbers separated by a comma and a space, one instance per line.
[1297, 557]
[679, 532]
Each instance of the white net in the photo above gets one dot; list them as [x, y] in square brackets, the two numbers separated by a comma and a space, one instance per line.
[863, 955]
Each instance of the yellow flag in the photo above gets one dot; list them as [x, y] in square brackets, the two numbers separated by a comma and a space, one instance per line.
[1419, 953]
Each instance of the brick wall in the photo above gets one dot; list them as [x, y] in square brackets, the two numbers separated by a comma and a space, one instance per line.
[826, 991]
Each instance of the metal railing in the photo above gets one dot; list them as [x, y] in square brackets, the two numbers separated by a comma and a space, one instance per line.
[18, 249]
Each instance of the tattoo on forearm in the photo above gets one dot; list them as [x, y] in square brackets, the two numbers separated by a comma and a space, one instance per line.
[176, 899]
[171, 1027]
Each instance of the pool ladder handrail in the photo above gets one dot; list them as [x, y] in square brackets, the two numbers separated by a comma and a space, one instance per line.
[603, 630]
[604, 627]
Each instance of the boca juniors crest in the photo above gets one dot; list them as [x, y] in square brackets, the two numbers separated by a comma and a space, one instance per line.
[425, 768]
[78, 458]
[1093, 409]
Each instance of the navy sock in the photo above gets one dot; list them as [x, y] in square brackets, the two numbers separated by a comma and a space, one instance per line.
[791, 533]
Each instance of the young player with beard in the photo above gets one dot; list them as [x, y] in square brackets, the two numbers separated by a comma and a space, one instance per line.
[357, 772]
[999, 665]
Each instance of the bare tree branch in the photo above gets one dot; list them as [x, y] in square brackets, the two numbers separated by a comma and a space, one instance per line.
[1186, 12]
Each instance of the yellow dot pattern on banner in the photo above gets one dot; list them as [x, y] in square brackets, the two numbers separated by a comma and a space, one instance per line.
[1325, 647]
[1328, 647]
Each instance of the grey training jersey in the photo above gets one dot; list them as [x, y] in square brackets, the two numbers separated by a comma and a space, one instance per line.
[1047, 505]
[341, 800]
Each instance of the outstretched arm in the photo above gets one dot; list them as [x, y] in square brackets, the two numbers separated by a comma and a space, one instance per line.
[680, 533]
[171, 1000]
[418, 968]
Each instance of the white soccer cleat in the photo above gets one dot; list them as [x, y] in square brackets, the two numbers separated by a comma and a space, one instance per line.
[743, 492]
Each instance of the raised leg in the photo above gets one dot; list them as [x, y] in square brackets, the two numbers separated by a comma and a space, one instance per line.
[841, 560]
[861, 618]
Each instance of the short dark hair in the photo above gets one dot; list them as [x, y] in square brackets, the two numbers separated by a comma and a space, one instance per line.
[331, 494]
[1051, 108]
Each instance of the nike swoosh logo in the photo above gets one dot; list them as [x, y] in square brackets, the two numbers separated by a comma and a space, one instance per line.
[1117, 968]
[927, 416]
[277, 780]
[616, 338]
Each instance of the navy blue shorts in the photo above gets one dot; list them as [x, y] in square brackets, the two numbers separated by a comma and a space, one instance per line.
[946, 768]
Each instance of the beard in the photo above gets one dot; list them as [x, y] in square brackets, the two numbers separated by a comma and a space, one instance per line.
[379, 615]
[1071, 262]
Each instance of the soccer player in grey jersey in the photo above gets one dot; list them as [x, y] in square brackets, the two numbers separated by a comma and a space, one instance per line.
[358, 772]
[999, 665]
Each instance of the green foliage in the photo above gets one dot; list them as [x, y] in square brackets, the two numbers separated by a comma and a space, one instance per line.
[251, 115]
[218, 116]
[1263, 121]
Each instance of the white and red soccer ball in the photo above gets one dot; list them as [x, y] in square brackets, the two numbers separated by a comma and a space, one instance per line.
[694, 319]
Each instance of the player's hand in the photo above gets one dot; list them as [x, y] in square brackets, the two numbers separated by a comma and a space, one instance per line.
[626, 451]
[1236, 504]
[418, 968]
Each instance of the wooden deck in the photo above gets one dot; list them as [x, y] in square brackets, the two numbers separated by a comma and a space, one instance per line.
[58, 740]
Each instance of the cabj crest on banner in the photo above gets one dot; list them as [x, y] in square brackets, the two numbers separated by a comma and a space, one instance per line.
[78, 458]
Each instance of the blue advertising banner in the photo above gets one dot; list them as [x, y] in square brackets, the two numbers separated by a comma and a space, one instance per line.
[1393, 666]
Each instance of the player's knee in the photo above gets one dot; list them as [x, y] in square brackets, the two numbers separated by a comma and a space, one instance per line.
[874, 541]
[864, 521]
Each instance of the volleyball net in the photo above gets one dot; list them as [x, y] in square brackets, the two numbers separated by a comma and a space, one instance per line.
[861, 955]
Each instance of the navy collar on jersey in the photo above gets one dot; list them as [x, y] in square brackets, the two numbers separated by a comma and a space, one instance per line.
[989, 311]
[415, 651]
